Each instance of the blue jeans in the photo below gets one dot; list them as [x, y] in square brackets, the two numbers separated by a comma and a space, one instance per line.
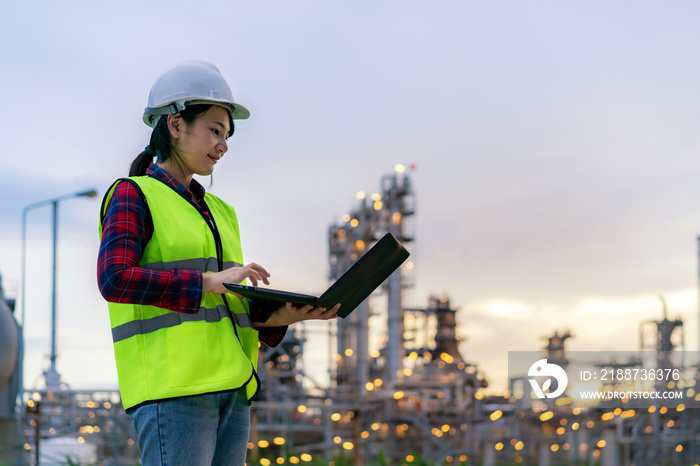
[198, 430]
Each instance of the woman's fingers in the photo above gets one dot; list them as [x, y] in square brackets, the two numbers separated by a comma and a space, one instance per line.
[258, 272]
[289, 313]
[298, 310]
[253, 272]
[329, 313]
[312, 312]
[335, 308]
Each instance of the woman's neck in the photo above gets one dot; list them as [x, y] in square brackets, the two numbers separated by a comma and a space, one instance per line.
[176, 171]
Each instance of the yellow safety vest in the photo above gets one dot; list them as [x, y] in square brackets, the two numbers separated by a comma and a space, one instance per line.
[162, 354]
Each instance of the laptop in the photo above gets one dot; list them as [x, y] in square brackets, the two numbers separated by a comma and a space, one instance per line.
[350, 290]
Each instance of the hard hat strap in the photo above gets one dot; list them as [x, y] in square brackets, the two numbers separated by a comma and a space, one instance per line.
[170, 109]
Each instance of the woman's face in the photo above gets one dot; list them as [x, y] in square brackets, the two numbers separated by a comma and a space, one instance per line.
[201, 143]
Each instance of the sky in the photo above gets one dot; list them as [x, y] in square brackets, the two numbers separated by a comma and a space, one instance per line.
[555, 144]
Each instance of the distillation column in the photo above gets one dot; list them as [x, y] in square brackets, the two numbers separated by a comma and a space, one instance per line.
[379, 214]
[394, 194]
[347, 243]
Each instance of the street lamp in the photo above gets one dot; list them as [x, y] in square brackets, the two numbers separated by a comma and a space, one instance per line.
[52, 378]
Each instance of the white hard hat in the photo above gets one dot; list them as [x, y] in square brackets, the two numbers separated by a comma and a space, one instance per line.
[191, 82]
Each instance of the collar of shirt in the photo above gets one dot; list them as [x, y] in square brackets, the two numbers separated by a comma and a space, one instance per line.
[195, 193]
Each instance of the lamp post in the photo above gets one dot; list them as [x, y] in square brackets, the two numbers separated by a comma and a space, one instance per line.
[52, 378]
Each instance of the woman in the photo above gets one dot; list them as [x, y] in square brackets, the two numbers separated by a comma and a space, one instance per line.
[186, 348]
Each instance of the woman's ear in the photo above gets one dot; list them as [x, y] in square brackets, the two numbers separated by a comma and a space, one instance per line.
[175, 125]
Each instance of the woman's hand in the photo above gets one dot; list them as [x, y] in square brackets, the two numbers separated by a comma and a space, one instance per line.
[289, 314]
[212, 282]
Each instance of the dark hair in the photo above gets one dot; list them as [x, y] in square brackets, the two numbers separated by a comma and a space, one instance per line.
[160, 145]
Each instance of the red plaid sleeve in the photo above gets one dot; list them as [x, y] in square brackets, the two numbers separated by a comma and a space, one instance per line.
[126, 230]
[271, 336]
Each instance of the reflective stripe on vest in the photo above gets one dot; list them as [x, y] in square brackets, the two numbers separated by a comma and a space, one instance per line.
[205, 265]
[162, 354]
[142, 327]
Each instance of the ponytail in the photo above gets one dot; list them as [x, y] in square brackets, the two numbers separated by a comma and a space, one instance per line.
[159, 145]
[141, 163]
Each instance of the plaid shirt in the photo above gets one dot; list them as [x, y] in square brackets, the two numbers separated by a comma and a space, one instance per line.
[126, 229]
